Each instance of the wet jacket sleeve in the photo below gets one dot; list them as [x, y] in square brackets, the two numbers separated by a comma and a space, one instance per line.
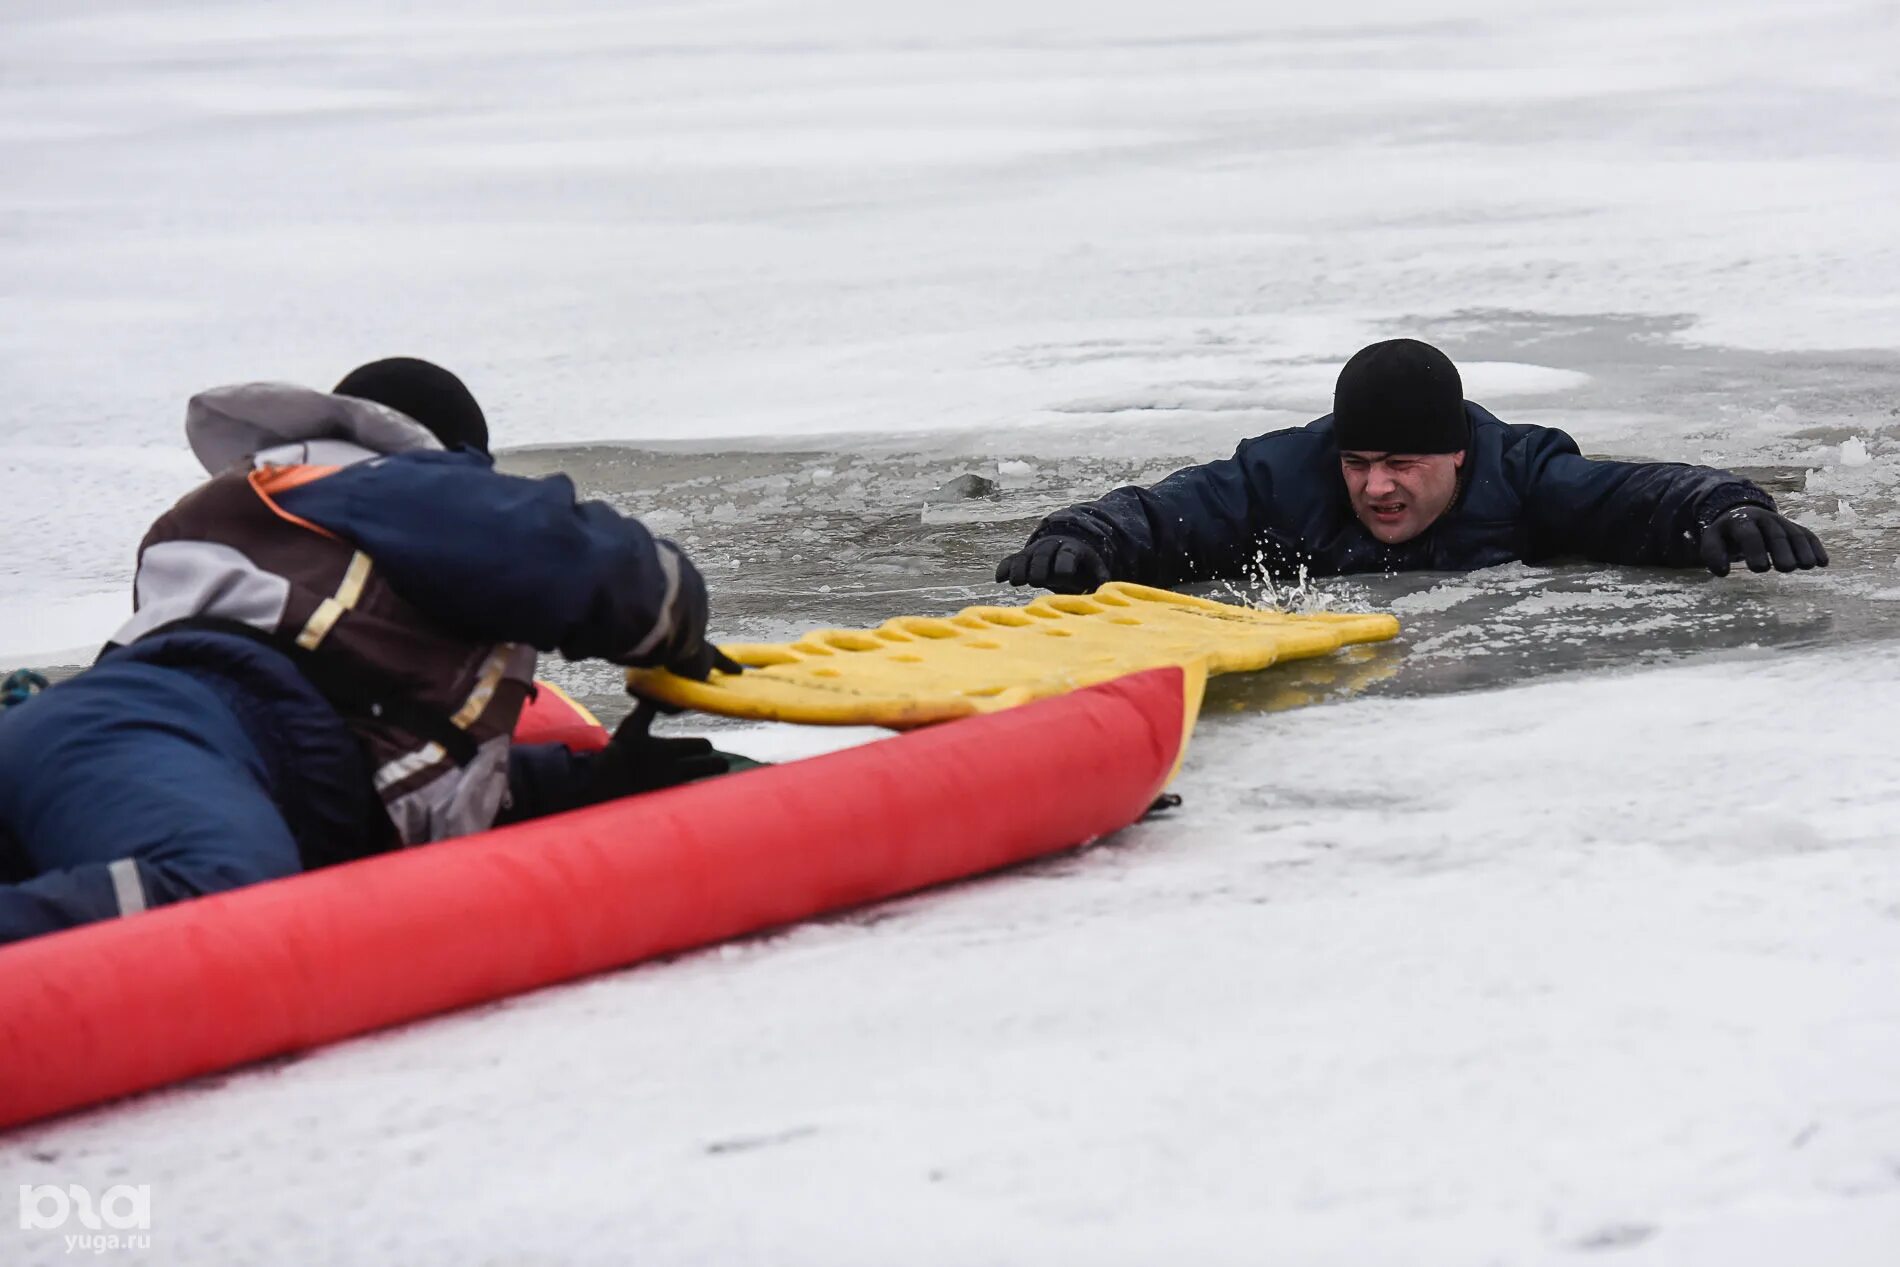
[1200, 523]
[501, 558]
[1621, 512]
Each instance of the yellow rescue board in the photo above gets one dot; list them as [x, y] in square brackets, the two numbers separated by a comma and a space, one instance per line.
[919, 670]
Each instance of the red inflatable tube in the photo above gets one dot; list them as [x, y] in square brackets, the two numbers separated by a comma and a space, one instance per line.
[186, 990]
[554, 716]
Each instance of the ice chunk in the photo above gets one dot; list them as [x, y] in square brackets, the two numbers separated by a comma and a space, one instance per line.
[1015, 474]
[963, 488]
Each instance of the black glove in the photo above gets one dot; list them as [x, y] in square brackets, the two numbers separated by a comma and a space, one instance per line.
[1063, 564]
[1761, 537]
[700, 663]
[635, 761]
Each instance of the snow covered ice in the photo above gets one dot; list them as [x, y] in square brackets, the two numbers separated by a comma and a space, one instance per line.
[1564, 930]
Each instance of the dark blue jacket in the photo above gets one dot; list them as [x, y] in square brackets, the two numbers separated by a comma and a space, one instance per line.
[209, 758]
[493, 557]
[1280, 503]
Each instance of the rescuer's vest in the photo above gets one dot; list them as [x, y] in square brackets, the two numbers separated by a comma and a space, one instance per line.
[434, 711]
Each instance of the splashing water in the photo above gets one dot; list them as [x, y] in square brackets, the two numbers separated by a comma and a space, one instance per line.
[1260, 588]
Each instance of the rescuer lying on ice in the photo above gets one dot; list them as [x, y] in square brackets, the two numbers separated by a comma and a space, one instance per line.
[1407, 475]
[333, 638]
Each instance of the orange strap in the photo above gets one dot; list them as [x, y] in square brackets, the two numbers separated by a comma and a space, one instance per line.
[267, 481]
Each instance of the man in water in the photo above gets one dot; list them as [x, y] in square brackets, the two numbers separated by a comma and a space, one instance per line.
[333, 638]
[1407, 475]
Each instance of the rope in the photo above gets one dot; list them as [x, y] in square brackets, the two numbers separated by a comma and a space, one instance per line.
[20, 684]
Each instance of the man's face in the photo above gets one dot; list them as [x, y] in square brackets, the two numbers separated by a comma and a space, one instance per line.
[1399, 495]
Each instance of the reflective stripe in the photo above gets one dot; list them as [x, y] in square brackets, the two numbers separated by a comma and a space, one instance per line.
[408, 766]
[351, 591]
[126, 886]
[330, 610]
[663, 627]
[478, 698]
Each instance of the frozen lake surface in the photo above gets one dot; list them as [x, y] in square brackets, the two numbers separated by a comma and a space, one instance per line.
[1565, 929]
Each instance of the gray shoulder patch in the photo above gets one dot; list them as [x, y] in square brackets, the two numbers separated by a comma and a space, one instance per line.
[180, 579]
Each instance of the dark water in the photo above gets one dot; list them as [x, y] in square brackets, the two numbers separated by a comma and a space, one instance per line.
[790, 541]
[850, 531]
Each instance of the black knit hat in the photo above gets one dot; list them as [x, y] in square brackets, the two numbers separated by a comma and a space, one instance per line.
[422, 391]
[1400, 396]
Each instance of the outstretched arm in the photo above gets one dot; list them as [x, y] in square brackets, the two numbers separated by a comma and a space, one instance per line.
[506, 559]
[1665, 514]
[1199, 523]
